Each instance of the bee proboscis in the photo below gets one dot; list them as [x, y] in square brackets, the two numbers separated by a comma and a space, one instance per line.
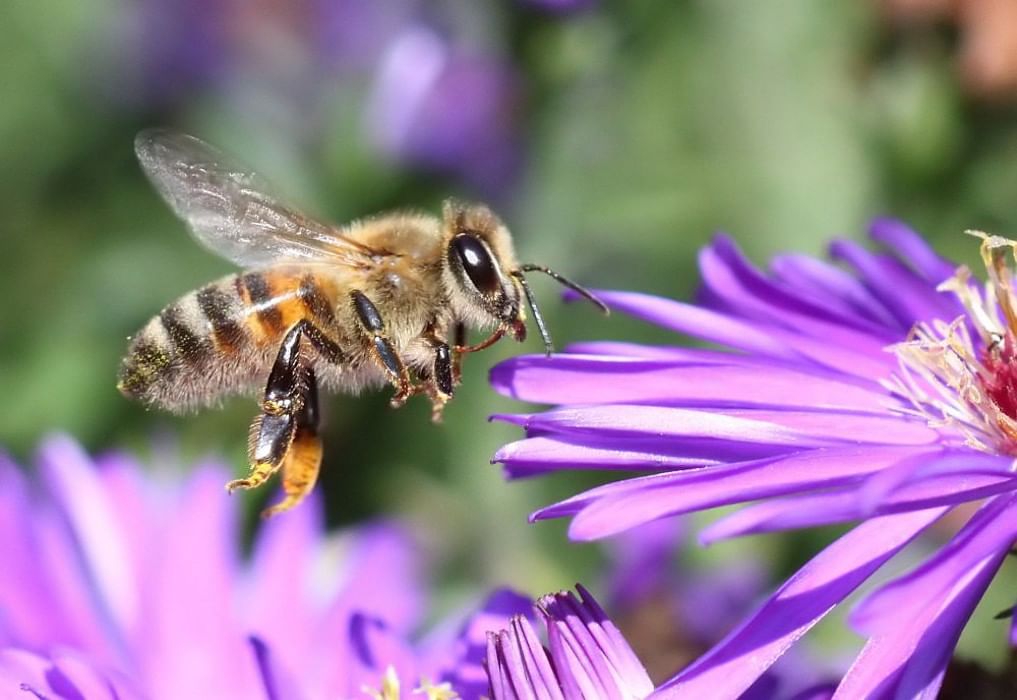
[343, 308]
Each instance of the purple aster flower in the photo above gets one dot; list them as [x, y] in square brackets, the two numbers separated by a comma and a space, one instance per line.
[586, 658]
[882, 391]
[586, 655]
[119, 584]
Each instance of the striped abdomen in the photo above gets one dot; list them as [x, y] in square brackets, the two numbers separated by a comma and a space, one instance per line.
[222, 338]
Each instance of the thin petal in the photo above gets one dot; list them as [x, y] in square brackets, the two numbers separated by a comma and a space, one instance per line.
[793, 429]
[907, 659]
[464, 667]
[537, 455]
[696, 321]
[189, 632]
[910, 298]
[992, 530]
[911, 249]
[853, 503]
[744, 291]
[283, 598]
[734, 665]
[821, 280]
[72, 479]
[277, 682]
[570, 379]
[768, 340]
[616, 507]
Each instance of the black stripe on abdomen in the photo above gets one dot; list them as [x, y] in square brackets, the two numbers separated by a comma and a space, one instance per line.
[220, 308]
[260, 294]
[187, 342]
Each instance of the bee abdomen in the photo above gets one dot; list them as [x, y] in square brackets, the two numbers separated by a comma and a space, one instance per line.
[184, 356]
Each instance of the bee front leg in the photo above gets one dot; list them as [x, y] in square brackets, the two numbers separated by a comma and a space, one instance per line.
[289, 392]
[457, 355]
[381, 348]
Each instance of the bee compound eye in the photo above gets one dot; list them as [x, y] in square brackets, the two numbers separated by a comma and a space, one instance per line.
[476, 262]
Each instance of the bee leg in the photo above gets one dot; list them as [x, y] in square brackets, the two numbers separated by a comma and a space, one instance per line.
[457, 356]
[440, 386]
[275, 428]
[303, 458]
[381, 347]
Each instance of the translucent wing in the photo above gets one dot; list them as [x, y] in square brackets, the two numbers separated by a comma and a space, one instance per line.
[229, 211]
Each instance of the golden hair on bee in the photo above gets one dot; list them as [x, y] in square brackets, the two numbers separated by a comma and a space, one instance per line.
[343, 308]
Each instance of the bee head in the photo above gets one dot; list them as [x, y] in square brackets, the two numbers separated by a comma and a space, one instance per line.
[479, 269]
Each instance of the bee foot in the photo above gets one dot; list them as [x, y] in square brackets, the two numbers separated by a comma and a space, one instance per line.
[244, 484]
[260, 471]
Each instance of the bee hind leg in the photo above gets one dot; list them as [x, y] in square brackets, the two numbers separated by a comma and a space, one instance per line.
[289, 408]
[302, 460]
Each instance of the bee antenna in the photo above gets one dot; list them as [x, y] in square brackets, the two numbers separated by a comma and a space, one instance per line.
[565, 282]
[537, 318]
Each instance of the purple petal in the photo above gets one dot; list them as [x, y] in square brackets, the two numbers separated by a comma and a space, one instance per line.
[384, 585]
[28, 617]
[793, 429]
[27, 675]
[768, 340]
[374, 647]
[908, 659]
[661, 352]
[821, 280]
[614, 507]
[591, 657]
[564, 379]
[189, 631]
[911, 249]
[72, 479]
[695, 321]
[744, 291]
[537, 455]
[518, 666]
[277, 682]
[812, 510]
[910, 298]
[734, 665]
[463, 667]
[990, 531]
[281, 570]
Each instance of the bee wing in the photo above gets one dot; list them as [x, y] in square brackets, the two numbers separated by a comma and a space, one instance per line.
[228, 210]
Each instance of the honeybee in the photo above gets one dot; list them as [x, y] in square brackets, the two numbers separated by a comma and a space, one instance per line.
[341, 308]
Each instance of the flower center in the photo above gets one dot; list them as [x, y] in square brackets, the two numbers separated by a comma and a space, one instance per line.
[999, 377]
[962, 382]
[390, 689]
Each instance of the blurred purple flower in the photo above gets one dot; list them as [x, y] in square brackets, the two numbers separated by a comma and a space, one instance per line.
[435, 101]
[586, 656]
[866, 395]
[441, 107]
[117, 584]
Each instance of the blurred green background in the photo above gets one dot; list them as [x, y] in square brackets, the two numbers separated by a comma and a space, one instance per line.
[613, 137]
